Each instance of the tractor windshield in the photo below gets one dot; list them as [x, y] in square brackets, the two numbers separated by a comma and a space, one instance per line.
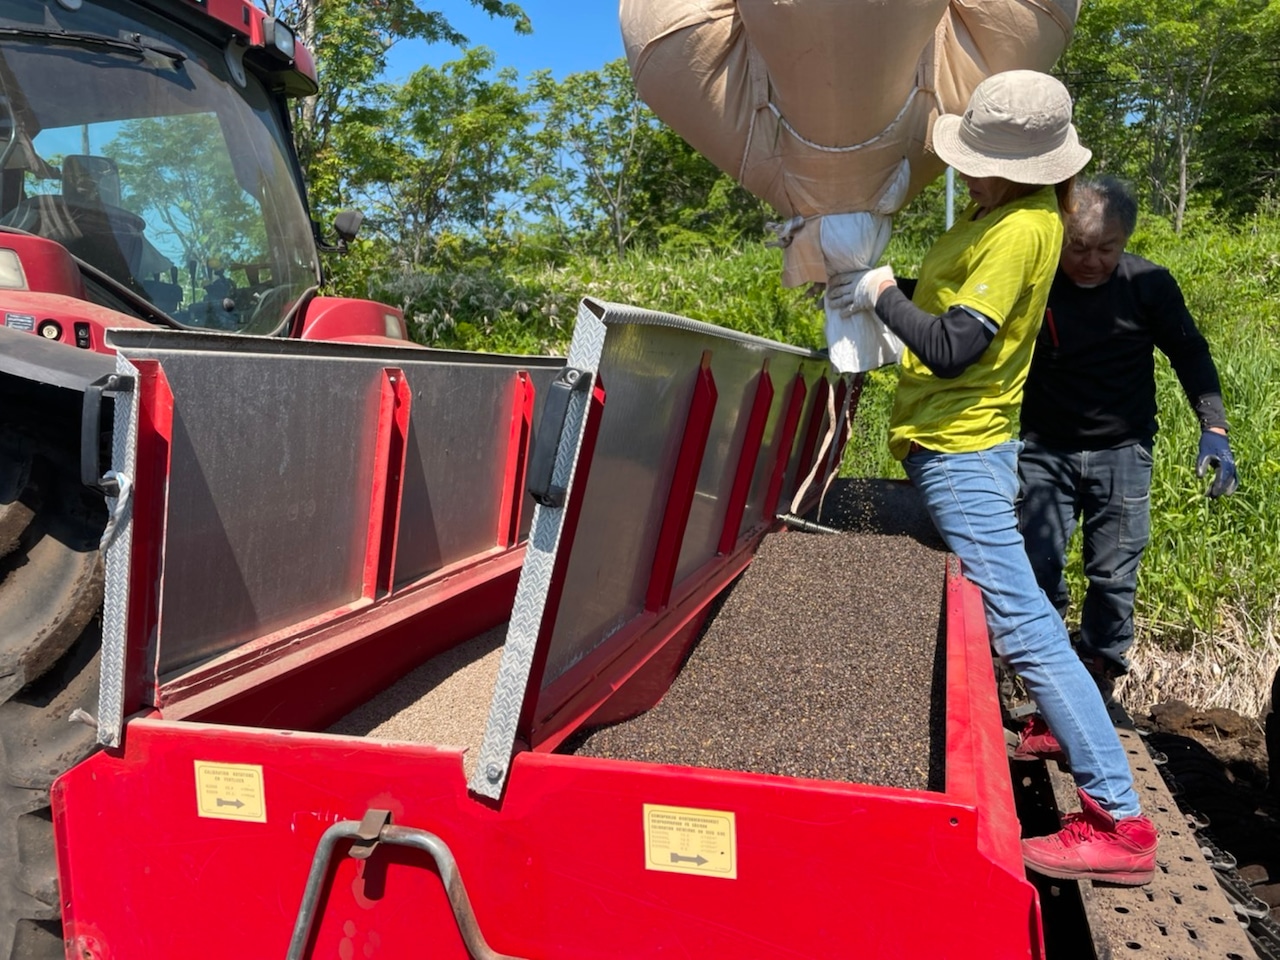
[154, 157]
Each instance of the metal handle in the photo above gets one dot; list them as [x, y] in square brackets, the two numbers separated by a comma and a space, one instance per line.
[367, 834]
[91, 430]
[542, 462]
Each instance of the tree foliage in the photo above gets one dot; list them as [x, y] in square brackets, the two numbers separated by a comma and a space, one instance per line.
[350, 40]
[440, 156]
[1165, 89]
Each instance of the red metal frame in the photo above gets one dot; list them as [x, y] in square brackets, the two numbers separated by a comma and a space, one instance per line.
[150, 504]
[556, 870]
[786, 440]
[817, 412]
[747, 458]
[684, 484]
[391, 443]
[977, 761]
[517, 464]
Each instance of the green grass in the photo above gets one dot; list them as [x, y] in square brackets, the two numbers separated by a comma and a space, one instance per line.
[532, 310]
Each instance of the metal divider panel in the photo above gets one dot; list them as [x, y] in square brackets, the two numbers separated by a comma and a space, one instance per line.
[271, 481]
[647, 363]
[453, 480]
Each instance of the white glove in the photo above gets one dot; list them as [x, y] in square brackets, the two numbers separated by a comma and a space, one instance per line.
[857, 290]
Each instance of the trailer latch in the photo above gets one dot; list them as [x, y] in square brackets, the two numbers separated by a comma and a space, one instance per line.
[375, 828]
[542, 462]
[91, 432]
[366, 837]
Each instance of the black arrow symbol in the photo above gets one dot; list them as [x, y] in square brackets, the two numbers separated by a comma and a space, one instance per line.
[230, 803]
[699, 860]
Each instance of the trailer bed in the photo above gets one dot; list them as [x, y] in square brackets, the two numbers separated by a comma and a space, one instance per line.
[824, 662]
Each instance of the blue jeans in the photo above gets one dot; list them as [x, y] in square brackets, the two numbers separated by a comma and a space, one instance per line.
[970, 497]
[1111, 491]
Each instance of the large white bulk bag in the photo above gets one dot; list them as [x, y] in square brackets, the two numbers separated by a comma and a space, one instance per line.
[823, 109]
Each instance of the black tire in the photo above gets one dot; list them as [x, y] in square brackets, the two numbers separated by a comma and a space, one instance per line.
[50, 639]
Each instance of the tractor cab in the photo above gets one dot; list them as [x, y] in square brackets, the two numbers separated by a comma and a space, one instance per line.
[160, 159]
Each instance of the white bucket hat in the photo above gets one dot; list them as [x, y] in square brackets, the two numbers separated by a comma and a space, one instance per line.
[1017, 126]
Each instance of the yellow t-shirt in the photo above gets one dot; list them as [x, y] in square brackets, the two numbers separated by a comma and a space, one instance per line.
[1001, 266]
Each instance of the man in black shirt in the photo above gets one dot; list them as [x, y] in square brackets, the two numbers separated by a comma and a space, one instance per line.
[1089, 421]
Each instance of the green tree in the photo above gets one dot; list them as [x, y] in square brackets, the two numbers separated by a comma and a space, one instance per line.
[350, 40]
[594, 142]
[682, 200]
[441, 157]
[1242, 144]
[1152, 79]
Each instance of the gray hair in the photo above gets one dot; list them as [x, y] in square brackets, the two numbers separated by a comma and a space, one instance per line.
[1102, 201]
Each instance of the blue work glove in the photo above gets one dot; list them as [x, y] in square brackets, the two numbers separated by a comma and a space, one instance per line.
[1215, 454]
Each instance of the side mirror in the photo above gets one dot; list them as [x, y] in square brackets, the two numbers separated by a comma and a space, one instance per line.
[346, 225]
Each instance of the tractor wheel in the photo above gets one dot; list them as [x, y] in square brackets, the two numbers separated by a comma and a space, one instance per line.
[50, 638]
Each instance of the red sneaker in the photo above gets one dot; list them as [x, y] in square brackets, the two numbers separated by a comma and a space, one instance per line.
[1092, 845]
[1037, 742]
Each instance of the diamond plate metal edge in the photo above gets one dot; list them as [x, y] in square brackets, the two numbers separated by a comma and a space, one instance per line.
[115, 601]
[494, 761]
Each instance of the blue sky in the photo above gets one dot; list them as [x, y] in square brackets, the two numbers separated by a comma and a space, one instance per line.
[568, 36]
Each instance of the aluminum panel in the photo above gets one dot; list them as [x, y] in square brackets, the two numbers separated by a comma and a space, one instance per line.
[268, 515]
[647, 364]
[272, 476]
[648, 377]
[648, 371]
[454, 466]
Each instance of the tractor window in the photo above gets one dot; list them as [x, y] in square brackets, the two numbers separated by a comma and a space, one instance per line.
[147, 161]
[202, 239]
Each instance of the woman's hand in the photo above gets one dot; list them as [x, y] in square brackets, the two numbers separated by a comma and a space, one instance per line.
[858, 290]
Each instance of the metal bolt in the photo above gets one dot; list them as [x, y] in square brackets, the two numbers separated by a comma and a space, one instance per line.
[493, 772]
[571, 376]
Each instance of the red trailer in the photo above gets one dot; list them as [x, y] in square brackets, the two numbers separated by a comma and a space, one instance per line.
[221, 813]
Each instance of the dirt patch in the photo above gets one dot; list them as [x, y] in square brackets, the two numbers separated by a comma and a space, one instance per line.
[1218, 759]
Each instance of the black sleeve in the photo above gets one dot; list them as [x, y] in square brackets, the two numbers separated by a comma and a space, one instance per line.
[1176, 334]
[946, 344]
[907, 285]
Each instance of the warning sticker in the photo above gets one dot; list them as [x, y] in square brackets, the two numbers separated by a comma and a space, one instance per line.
[686, 840]
[230, 791]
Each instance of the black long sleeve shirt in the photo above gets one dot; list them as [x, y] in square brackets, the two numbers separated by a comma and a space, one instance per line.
[1092, 380]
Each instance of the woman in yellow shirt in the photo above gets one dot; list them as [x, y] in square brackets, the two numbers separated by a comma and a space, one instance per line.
[969, 327]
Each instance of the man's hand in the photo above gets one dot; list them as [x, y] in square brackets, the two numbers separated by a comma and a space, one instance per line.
[858, 289]
[1215, 455]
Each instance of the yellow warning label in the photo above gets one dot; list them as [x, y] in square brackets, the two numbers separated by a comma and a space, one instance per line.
[230, 791]
[685, 840]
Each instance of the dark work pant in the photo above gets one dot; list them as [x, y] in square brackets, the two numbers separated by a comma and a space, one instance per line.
[1108, 492]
